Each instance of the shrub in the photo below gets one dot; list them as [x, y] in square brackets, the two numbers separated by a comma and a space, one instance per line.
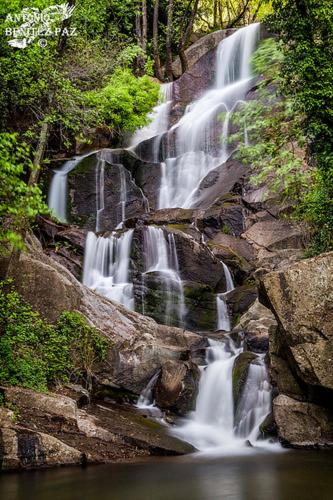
[37, 354]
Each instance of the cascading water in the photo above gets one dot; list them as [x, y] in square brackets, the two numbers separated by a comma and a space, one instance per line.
[106, 266]
[198, 133]
[159, 121]
[161, 258]
[216, 426]
[57, 198]
[100, 203]
[223, 320]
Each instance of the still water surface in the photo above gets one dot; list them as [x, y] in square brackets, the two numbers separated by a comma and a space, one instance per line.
[282, 476]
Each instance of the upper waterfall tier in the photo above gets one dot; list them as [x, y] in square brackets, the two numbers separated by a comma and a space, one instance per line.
[201, 135]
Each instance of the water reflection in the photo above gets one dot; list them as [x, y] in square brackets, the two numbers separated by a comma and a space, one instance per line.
[293, 475]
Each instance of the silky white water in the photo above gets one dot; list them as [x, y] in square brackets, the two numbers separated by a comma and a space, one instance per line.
[223, 319]
[159, 121]
[201, 135]
[161, 259]
[216, 426]
[57, 198]
[106, 266]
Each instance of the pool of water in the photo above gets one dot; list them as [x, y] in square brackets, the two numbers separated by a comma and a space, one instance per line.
[293, 475]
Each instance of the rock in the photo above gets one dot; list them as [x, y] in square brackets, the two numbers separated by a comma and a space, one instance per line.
[138, 346]
[302, 424]
[225, 215]
[301, 297]
[26, 449]
[199, 49]
[274, 235]
[240, 371]
[257, 324]
[301, 349]
[240, 299]
[200, 304]
[177, 386]
[63, 243]
[52, 404]
[218, 182]
[198, 264]
[268, 428]
[116, 181]
[49, 434]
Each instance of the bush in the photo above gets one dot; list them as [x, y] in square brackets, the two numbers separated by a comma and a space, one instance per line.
[36, 354]
[125, 101]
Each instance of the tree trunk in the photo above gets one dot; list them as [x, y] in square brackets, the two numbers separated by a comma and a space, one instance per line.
[169, 31]
[144, 27]
[186, 35]
[215, 14]
[157, 61]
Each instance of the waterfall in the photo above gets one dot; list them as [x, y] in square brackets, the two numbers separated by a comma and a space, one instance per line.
[161, 258]
[255, 401]
[197, 134]
[106, 266]
[223, 319]
[216, 425]
[146, 399]
[100, 203]
[159, 121]
[57, 198]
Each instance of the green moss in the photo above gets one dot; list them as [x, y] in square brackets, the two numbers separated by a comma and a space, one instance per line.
[239, 373]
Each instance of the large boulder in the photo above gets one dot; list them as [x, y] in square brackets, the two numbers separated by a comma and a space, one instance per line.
[102, 191]
[138, 346]
[240, 372]
[218, 182]
[177, 387]
[302, 299]
[303, 425]
[301, 349]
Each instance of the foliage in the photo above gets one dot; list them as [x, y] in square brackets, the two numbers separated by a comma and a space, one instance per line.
[36, 354]
[19, 202]
[306, 30]
[275, 146]
[125, 101]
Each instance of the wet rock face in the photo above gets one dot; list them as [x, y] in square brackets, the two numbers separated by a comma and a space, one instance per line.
[108, 189]
[239, 374]
[200, 48]
[177, 387]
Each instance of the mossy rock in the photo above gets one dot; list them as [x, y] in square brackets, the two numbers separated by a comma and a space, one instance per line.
[239, 374]
[268, 427]
[200, 303]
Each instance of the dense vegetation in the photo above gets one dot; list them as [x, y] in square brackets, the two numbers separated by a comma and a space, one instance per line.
[37, 354]
[305, 28]
[290, 123]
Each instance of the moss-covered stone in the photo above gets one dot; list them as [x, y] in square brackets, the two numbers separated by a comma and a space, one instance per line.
[239, 374]
[200, 302]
